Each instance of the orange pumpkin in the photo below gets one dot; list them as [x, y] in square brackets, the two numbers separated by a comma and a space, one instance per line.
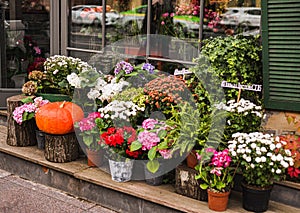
[58, 117]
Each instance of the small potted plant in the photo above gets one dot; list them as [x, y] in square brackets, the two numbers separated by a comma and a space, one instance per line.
[154, 143]
[89, 132]
[216, 173]
[117, 141]
[60, 77]
[262, 160]
[24, 116]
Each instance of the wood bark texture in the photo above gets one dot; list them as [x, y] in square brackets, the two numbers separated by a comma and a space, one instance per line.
[19, 135]
[187, 185]
[61, 148]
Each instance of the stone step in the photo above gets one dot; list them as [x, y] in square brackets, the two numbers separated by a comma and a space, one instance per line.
[96, 185]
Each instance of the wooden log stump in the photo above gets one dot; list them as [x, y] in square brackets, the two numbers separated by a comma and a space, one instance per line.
[187, 185]
[19, 135]
[61, 148]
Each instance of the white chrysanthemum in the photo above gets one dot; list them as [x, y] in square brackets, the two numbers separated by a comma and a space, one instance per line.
[272, 170]
[278, 145]
[279, 157]
[263, 149]
[263, 159]
[257, 159]
[278, 171]
[253, 145]
[272, 147]
[248, 159]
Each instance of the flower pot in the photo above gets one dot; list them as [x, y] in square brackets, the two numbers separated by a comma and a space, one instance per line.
[95, 158]
[191, 159]
[153, 179]
[121, 171]
[218, 201]
[40, 139]
[256, 199]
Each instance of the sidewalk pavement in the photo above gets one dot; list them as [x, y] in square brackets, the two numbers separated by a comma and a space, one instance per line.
[18, 195]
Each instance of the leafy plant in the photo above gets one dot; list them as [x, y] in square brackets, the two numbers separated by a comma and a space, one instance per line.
[237, 60]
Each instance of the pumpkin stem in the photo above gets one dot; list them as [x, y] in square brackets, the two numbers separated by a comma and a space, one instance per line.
[62, 105]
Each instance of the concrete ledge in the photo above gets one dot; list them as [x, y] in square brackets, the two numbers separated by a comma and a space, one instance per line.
[96, 185]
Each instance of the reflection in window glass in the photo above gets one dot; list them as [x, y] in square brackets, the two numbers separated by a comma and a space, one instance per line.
[27, 29]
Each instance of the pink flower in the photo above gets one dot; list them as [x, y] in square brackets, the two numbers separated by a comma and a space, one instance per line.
[166, 154]
[172, 14]
[149, 123]
[37, 50]
[94, 115]
[165, 15]
[148, 139]
[217, 171]
[162, 23]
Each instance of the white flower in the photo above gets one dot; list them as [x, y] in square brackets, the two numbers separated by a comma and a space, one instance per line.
[272, 146]
[252, 165]
[263, 149]
[253, 145]
[93, 94]
[278, 145]
[74, 80]
[278, 171]
[258, 159]
[279, 157]
[263, 159]
[55, 72]
[284, 164]
[273, 158]
[248, 159]
[272, 170]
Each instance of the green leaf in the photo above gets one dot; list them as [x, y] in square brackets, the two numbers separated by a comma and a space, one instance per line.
[153, 166]
[162, 134]
[135, 145]
[88, 140]
[152, 153]
[30, 116]
[204, 186]
[163, 145]
[27, 100]
[24, 116]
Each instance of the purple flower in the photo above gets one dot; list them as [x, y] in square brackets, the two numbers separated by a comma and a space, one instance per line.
[123, 65]
[148, 67]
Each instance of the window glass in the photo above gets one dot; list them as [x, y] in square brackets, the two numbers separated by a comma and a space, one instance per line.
[27, 29]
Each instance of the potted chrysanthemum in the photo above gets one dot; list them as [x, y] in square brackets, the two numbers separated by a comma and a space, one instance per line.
[262, 160]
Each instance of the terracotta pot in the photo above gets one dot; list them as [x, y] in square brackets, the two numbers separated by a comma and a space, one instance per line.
[191, 159]
[95, 158]
[218, 201]
[256, 199]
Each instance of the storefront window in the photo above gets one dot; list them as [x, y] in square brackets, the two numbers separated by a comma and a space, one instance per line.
[27, 40]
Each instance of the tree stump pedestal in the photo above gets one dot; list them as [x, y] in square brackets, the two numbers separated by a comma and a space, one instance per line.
[187, 185]
[61, 148]
[19, 135]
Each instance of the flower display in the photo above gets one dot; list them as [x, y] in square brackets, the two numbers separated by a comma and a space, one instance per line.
[262, 158]
[118, 142]
[153, 143]
[215, 170]
[60, 72]
[292, 143]
[243, 116]
[27, 111]
[89, 129]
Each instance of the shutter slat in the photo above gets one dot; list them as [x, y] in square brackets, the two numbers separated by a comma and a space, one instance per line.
[281, 54]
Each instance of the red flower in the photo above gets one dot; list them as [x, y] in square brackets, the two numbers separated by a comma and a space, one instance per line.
[293, 172]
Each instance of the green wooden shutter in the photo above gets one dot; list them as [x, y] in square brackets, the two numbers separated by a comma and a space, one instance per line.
[281, 54]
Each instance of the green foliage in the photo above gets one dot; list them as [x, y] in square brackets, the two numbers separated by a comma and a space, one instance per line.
[236, 60]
